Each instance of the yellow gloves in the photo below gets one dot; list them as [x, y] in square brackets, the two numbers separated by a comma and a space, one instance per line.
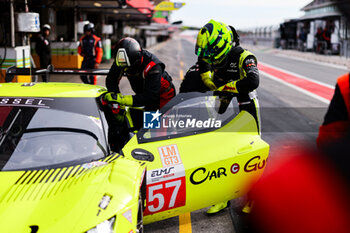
[207, 80]
[119, 98]
[230, 87]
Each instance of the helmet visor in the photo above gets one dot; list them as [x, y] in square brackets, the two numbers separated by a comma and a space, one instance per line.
[200, 52]
[122, 59]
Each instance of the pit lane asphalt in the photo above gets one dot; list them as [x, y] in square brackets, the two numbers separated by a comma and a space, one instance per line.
[289, 117]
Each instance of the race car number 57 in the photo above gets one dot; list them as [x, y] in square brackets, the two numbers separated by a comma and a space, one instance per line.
[165, 195]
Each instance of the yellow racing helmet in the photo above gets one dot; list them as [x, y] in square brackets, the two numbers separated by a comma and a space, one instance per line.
[214, 42]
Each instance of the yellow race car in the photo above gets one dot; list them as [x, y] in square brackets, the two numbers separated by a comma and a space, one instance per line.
[58, 172]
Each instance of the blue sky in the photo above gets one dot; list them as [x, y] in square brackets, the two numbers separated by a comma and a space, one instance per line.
[241, 14]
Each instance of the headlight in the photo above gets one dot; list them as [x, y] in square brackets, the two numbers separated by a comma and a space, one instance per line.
[104, 227]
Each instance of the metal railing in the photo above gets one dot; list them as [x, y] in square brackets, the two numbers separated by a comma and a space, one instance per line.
[12, 71]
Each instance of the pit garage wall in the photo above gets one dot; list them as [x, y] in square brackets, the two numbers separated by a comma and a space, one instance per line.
[18, 56]
[63, 55]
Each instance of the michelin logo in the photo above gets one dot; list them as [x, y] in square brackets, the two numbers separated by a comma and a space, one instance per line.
[151, 120]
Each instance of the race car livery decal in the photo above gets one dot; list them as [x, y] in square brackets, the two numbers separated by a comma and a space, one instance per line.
[169, 155]
[30, 102]
[165, 195]
[166, 189]
[128, 215]
[201, 175]
[235, 168]
[254, 164]
[164, 174]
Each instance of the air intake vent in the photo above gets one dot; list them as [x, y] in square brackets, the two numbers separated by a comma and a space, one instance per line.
[141, 154]
[34, 229]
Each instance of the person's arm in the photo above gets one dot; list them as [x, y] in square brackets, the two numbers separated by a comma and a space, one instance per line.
[99, 51]
[206, 74]
[247, 84]
[80, 50]
[151, 94]
[113, 78]
[251, 81]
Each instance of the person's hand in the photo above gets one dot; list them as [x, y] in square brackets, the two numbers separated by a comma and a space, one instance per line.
[206, 78]
[96, 65]
[230, 87]
[111, 97]
[119, 98]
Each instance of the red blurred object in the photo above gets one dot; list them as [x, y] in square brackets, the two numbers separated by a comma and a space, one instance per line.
[143, 6]
[103, 102]
[115, 108]
[302, 193]
[335, 126]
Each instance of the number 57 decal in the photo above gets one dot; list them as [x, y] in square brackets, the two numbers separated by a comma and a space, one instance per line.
[165, 195]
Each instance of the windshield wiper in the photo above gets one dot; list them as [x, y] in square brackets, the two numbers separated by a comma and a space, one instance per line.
[64, 129]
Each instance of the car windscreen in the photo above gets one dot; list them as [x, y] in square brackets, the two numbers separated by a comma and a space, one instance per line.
[188, 114]
[40, 133]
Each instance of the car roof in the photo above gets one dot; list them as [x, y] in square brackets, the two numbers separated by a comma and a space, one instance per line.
[50, 90]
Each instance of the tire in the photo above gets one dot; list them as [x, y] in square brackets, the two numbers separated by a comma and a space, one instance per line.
[237, 221]
[139, 226]
[240, 220]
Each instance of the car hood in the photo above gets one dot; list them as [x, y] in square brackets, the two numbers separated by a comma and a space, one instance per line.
[66, 199]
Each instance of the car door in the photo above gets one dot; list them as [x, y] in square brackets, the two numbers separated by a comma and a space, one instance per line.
[198, 156]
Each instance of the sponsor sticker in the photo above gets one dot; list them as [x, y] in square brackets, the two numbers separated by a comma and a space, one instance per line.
[169, 155]
[254, 164]
[30, 102]
[201, 175]
[165, 173]
[128, 215]
[235, 168]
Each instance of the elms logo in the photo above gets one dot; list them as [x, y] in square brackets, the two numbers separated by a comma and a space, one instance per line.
[151, 120]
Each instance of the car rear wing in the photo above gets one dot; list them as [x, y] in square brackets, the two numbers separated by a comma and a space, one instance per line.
[34, 72]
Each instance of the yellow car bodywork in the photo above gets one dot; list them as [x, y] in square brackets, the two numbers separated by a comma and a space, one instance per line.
[67, 199]
[188, 173]
[193, 172]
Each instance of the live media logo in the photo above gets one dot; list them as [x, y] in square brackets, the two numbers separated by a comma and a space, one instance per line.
[151, 120]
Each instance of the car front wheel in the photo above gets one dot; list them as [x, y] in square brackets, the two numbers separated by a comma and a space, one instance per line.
[139, 228]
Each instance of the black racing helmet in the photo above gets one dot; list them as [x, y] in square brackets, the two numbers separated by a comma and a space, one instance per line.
[89, 27]
[129, 53]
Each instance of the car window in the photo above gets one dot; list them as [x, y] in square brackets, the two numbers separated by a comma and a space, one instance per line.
[189, 114]
[50, 135]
